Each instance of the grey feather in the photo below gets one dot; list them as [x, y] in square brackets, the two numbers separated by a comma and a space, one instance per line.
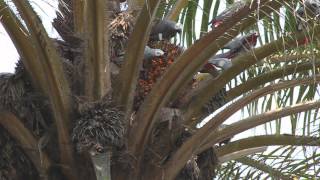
[150, 53]
[222, 55]
[311, 9]
[165, 29]
[240, 42]
[228, 12]
[235, 43]
[223, 63]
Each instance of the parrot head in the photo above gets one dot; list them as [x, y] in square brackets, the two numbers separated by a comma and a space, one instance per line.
[178, 28]
[215, 23]
[250, 40]
[158, 52]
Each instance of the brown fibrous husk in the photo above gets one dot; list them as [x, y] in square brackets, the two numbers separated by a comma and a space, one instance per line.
[99, 128]
[190, 171]
[14, 164]
[207, 162]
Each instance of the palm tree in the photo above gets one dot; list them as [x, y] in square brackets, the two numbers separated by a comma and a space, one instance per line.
[77, 114]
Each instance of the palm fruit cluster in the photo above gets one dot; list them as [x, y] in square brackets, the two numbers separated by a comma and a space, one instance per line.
[153, 69]
[99, 126]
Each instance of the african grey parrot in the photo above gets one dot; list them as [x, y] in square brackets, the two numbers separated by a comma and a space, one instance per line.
[213, 63]
[236, 46]
[165, 29]
[223, 63]
[150, 53]
[228, 55]
[223, 60]
[245, 42]
[211, 69]
[311, 9]
[215, 22]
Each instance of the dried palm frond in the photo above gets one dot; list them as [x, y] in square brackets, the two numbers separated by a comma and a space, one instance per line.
[68, 50]
[71, 47]
[191, 171]
[215, 102]
[14, 164]
[11, 90]
[207, 162]
[120, 29]
[121, 26]
[64, 23]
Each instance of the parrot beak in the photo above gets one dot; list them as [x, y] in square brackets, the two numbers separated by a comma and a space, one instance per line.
[178, 27]
[299, 27]
[159, 53]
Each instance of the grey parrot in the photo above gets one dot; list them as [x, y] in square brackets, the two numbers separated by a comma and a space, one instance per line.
[149, 53]
[223, 60]
[223, 63]
[235, 47]
[215, 22]
[165, 29]
[212, 64]
[228, 55]
[311, 9]
[245, 42]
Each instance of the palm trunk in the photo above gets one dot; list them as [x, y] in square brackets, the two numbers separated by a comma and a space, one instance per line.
[102, 163]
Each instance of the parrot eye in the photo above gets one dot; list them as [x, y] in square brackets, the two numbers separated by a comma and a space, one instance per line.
[300, 13]
[178, 27]
[159, 53]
